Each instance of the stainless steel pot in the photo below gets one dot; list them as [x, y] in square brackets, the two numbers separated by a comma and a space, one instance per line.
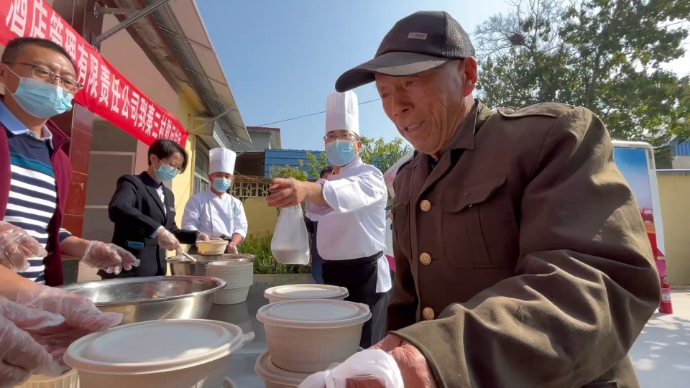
[152, 298]
[183, 266]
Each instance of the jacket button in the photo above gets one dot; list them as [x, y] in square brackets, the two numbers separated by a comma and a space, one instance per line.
[425, 258]
[425, 205]
[428, 314]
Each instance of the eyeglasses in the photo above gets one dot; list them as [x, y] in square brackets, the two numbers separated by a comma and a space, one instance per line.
[340, 136]
[48, 76]
[178, 168]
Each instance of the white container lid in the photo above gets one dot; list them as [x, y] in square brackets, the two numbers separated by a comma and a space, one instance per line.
[157, 346]
[314, 314]
[265, 368]
[306, 291]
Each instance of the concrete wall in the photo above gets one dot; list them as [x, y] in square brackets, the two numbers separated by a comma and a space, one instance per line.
[681, 162]
[260, 141]
[674, 192]
[129, 59]
[261, 218]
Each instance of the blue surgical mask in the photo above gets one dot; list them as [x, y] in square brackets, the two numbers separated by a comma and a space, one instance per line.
[340, 152]
[40, 99]
[221, 185]
[165, 173]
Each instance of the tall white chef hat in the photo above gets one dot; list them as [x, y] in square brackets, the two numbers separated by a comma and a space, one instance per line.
[342, 112]
[221, 160]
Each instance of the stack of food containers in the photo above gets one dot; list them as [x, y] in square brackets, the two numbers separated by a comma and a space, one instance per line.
[190, 353]
[306, 336]
[238, 275]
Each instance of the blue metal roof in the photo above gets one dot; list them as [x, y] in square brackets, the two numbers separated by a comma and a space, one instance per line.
[682, 149]
[282, 158]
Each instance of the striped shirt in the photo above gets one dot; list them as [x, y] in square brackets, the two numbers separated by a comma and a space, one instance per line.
[33, 195]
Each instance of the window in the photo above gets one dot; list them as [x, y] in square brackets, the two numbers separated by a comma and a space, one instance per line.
[201, 167]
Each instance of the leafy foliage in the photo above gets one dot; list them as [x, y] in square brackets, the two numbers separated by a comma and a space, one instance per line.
[260, 246]
[605, 55]
[381, 154]
[289, 172]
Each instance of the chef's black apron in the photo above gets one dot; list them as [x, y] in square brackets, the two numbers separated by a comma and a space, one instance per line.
[359, 276]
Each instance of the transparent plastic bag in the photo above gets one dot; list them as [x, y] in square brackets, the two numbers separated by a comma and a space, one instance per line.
[366, 365]
[290, 244]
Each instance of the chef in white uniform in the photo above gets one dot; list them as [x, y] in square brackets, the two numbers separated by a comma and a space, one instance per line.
[215, 212]
[350, 209]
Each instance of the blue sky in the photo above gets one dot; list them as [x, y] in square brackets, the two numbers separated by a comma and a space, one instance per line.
[282, 57]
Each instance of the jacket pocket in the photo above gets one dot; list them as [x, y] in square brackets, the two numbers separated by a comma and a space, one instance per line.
[463, 238]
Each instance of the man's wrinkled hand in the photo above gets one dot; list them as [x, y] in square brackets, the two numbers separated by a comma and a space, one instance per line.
[288, 193]
[413, 366]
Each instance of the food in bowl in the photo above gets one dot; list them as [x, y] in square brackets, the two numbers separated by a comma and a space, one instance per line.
[213, 247]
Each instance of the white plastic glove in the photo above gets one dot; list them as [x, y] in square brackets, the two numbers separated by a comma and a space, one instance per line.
[21, 355]
[368, 368]
[16, 247]
[169, 242]
[76, 317]
[109, 257]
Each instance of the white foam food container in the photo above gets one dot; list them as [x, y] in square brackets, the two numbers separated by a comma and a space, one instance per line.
[69, 379]
[231, 295]
[275, 377]
[307, 336]
[304, 291]
[185, 353]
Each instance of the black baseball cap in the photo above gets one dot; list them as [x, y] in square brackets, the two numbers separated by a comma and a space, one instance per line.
[417, 43]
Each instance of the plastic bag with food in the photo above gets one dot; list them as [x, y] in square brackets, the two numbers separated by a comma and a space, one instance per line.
[290, 244]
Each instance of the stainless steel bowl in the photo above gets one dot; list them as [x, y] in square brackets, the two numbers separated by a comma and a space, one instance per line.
[152, 298]
[183, 266]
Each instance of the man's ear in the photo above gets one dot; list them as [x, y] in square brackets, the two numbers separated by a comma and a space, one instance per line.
[469, 69]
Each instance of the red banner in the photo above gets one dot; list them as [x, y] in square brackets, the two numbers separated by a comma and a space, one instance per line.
[106, 92]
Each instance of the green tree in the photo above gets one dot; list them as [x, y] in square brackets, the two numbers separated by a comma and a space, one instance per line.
[381, 154]
[315, 165]
[605, 55]
[289, 172]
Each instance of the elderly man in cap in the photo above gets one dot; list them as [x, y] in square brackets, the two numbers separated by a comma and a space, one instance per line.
[350, 209]
[522, 260]
[214, 211]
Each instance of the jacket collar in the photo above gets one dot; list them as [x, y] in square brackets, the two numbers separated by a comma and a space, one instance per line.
[148, 181]
[464, 136]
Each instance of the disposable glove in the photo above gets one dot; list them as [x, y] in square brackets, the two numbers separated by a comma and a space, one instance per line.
[169, 242]
[109, 257]
[16, 247]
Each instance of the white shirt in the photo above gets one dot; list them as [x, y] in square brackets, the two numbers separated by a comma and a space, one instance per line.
[214, 215]
[354, 226]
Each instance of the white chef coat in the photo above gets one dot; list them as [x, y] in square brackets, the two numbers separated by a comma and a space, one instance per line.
[214, 215]
[354, 226]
